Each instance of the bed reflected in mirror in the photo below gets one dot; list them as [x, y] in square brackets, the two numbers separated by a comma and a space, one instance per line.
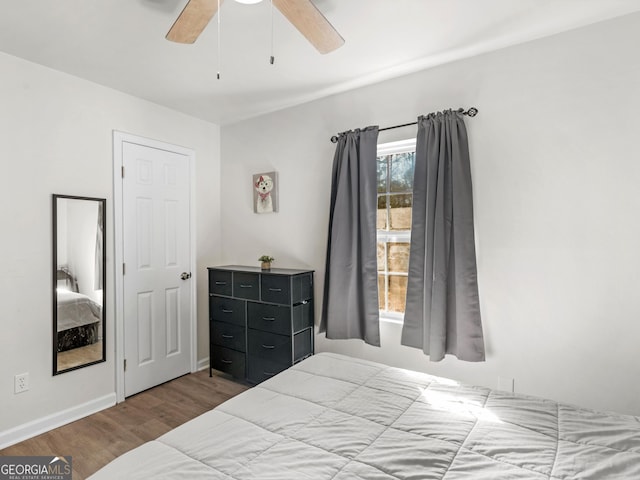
[78, 282]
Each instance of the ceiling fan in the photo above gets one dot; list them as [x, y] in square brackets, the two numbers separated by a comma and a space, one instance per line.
[303, 14]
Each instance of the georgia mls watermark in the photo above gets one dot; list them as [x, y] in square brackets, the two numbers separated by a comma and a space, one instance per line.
[35, 468]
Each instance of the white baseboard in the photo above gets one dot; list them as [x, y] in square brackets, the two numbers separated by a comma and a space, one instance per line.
[55, 420]
[203, 364]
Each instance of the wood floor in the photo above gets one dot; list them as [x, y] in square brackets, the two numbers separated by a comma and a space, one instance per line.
[99, 438]
[80, 356]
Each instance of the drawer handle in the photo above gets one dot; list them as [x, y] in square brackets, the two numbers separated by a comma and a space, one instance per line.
[269, 319]
[275, 289]
[268, 347]
[245, 286]
[225, 310]
[227, 336]
[221, 283]
[228, 362]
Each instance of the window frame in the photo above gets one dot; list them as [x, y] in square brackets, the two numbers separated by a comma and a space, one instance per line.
[387, 236]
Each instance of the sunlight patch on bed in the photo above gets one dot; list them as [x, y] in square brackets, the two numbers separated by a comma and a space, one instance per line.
[458, 405]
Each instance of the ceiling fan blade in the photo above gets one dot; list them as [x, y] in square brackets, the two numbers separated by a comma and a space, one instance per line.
[192, 20]
[311, 23]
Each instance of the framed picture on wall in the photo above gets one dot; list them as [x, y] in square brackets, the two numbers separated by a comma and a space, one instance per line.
[265, 192]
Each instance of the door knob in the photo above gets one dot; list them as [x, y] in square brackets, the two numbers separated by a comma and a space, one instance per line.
[185, 275]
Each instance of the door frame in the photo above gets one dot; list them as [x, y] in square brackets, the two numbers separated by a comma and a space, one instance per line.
[119, 138]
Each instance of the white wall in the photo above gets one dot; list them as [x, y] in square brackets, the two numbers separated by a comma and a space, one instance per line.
[79, 234]
[556, 175]
[57, 138]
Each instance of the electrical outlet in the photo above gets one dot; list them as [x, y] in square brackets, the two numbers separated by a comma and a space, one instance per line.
[505, 384]
[21, 383]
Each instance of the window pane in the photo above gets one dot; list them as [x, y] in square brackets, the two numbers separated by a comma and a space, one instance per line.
[395, 202]
[382, 213]
[398, 256]
[400, 211]
[381, 302]
[382, 173]
[397, 293]
[402, 167]
[381, 257]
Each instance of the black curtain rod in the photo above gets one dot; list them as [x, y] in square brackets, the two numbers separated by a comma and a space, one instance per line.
[472, 112]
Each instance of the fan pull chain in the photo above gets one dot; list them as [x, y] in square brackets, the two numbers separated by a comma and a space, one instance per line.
[272, 59]
[219, 48]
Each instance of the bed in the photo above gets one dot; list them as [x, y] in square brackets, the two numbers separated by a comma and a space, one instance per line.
[78, 316]
[336, 417]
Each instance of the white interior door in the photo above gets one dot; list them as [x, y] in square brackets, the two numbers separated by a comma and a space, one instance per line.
[156, 254]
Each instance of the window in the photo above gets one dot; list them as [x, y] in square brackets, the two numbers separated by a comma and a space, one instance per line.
[395, 166]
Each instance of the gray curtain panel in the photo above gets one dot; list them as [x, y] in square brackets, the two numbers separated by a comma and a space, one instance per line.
[98, 272]
[350, 304]
[442, 311]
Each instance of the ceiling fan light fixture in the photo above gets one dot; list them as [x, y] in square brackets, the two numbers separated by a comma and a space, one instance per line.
[248, 2]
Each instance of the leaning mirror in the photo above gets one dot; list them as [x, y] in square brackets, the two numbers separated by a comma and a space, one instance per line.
[78, 282]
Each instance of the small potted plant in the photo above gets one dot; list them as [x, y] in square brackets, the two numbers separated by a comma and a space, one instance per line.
[266, 262]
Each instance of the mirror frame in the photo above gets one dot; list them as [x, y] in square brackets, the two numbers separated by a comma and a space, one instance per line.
[103, 203]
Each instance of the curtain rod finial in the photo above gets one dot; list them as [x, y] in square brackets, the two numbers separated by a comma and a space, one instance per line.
[472, 112]
[334, 139]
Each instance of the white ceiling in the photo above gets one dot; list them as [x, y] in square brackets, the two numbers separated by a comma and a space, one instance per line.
[121, 44]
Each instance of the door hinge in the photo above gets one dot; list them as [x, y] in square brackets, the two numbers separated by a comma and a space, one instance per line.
[125, 364]
[122, 171]
[124, 268]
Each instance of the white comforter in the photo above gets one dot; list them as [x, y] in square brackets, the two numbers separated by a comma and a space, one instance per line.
[76, 310]
[335, 417]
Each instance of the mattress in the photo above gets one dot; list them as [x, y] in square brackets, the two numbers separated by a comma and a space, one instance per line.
[336, 417]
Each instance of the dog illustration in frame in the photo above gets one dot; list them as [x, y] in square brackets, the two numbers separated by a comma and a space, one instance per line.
[265, 192]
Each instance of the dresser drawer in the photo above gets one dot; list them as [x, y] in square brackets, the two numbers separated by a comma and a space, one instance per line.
[302, 345]
[259, 369]
[275, 289]
[228, 335]
[302, 288]
[302, 316]
[227, 360]
[269, 346]
[269, 318]
[227, 310]
[246, 285]
[220, 282]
